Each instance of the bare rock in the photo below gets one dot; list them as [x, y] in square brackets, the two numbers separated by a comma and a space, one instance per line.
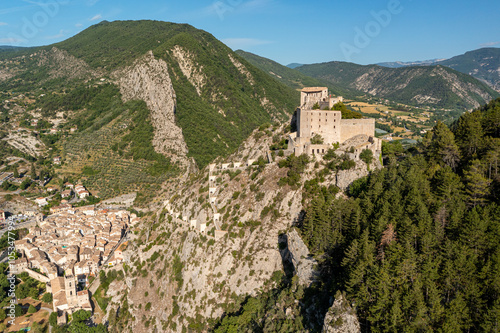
[298, 254]
[341, 317]
[148, 79]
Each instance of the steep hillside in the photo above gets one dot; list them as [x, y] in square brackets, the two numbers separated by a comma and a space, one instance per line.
[483, 64]
[436, 86]
[177, 278]
[202, 99]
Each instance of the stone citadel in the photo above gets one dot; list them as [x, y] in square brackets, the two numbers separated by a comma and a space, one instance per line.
[327, 126]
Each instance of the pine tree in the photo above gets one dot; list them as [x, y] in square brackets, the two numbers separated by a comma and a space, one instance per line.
[33, 172]
[443, 147]
[470, 133]
[477, 186]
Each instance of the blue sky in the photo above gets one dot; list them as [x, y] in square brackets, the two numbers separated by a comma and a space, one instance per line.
[361, 31]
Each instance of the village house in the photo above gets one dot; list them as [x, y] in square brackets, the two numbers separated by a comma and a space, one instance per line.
[41, 201]
[66, 193]
[60, 208]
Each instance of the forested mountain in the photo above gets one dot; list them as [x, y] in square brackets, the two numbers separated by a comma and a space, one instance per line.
[145, 89]
[482, 64]
[415, 246]
[436, 86]
[294, 65]
[291, 77]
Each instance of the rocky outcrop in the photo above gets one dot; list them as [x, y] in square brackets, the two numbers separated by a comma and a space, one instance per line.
[148, 79]
[346, 177]
[465, 90]
[298, 254]
[189, 68]
[341, 317]
[242, 69]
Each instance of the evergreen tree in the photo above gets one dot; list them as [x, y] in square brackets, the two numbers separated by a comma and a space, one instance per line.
[443, 147]
[33, 171]
[477, 186]
[469, 133]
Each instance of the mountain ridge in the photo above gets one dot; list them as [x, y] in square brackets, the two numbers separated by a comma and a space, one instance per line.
[434, 86]
[217, 98]
[483, 64]
[439, 87]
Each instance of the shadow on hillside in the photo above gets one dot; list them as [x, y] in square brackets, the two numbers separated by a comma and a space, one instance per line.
[287, 307]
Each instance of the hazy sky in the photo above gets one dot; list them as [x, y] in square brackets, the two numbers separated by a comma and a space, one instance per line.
[361, 31]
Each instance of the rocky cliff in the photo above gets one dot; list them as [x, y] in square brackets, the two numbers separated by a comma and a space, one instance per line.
[341, 317]
[218, 240]
[298, 254]
[148, 79]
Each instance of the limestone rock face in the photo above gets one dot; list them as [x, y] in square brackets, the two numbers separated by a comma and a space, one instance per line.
[242, 69]
[346, 177]
[148, 79]
[298, 254]
[341, 317]
[189, 67]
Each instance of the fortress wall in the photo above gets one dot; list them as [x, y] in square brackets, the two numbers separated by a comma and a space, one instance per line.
[353, 127]
[37, 276]
[323, 122]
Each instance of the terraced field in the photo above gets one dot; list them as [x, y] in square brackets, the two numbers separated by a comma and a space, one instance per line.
[104, 172]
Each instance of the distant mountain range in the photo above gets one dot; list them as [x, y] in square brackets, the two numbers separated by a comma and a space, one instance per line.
[4, 48]
[483, 64]
[398, 64]
[437, 86]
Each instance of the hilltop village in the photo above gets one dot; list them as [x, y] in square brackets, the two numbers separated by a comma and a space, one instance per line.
[68, 248]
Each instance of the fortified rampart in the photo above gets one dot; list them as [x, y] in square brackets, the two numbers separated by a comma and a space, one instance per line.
[353, 127]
